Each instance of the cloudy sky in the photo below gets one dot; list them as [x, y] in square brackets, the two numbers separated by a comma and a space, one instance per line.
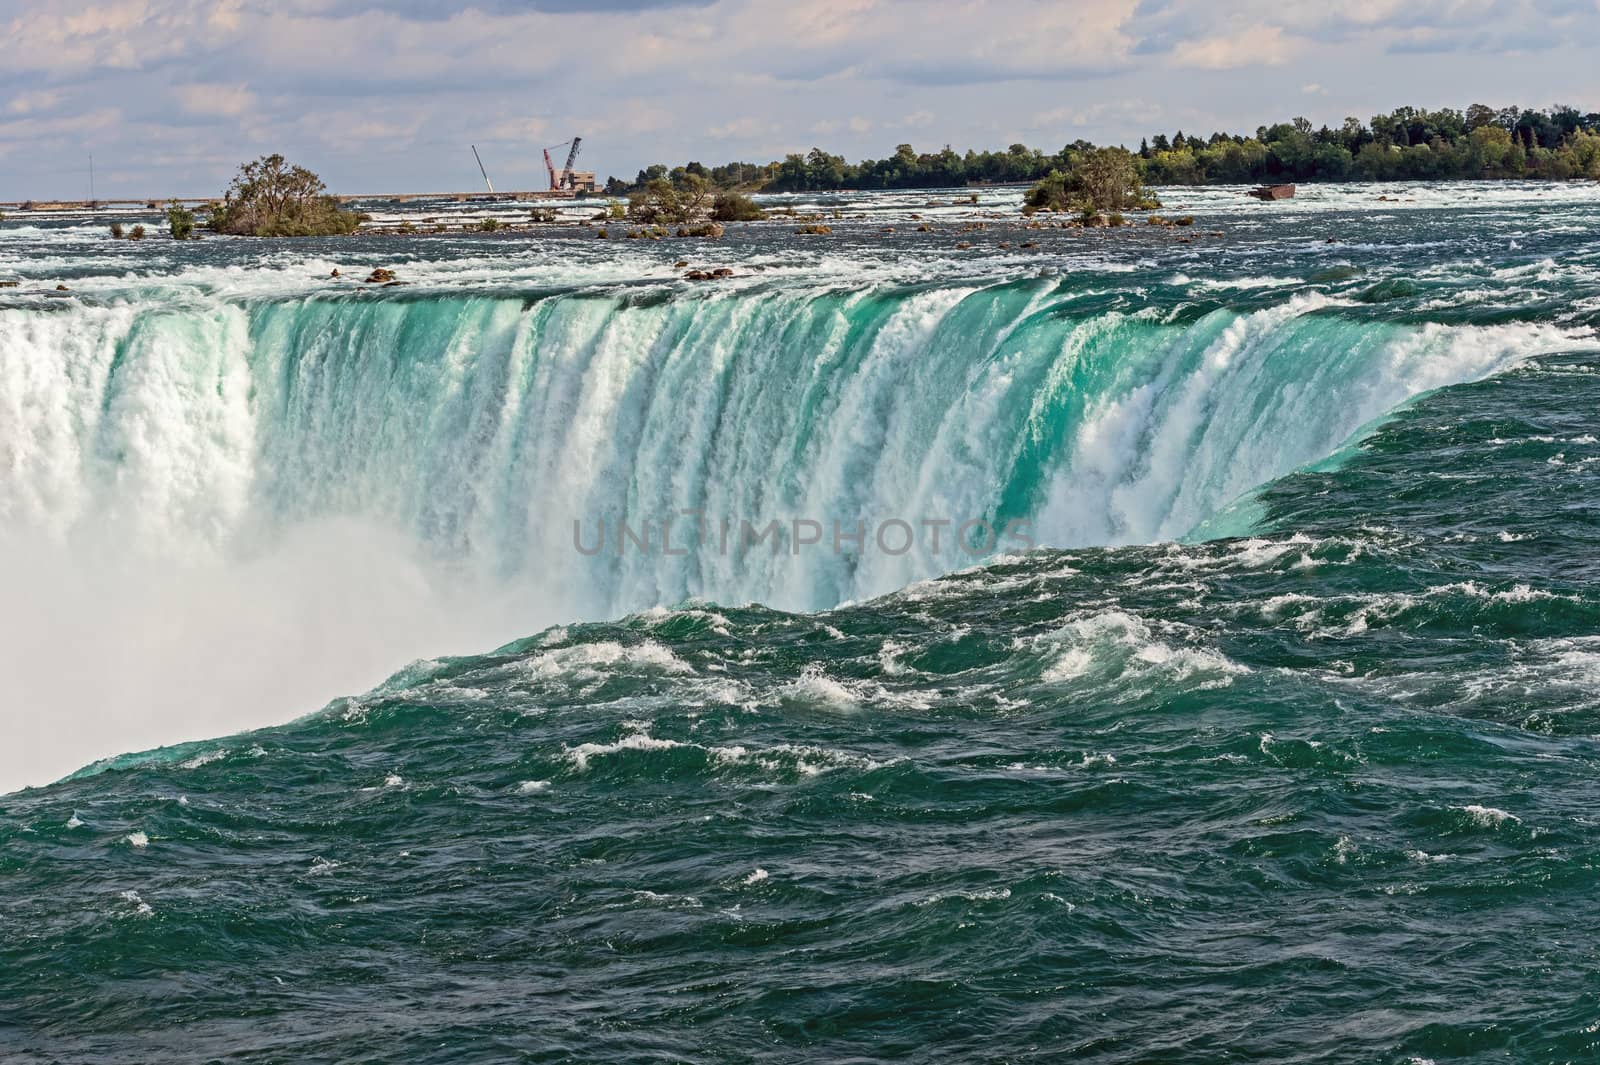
[170, 95]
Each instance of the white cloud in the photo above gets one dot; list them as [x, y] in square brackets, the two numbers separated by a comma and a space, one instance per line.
[227, 101]
[747, 126]
[1256, 46]
[28, 103]
[372, 93]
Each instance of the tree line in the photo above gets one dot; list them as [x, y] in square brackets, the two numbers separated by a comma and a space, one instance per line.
[1409, 143]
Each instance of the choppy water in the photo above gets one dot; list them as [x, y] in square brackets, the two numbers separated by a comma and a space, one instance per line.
[1283, 748]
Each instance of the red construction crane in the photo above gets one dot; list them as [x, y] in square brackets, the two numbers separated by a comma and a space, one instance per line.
[562, 179]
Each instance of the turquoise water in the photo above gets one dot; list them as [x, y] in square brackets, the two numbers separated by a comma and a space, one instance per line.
[1279, 747]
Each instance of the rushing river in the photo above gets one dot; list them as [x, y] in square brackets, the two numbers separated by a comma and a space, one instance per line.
[987, 643]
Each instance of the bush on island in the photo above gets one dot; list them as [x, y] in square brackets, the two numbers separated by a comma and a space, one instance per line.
[665, 202]
[733, 206]
[180, 221]
[1098, 181]
[270, 198]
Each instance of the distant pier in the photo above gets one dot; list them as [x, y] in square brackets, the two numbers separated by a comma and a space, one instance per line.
[209, 201]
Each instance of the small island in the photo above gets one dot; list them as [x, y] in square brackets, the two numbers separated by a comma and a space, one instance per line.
[271, 198]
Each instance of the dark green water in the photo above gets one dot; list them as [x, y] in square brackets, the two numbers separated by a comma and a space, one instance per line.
[1322, 793]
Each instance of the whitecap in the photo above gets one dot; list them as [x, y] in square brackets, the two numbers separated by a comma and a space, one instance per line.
[1488, 816]
[581, 755]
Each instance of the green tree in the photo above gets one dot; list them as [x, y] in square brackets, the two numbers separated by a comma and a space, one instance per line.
[731, 206]
[664, 202]
[271, 198]
[1102, 180]
[180, 221]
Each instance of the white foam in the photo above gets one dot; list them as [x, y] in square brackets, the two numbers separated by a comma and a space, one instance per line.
[1114, 643]
[203, 759]
[816, 688]
[593, 659]
[984, 895]
[141, 908]
[1488, 816]
[581, 755]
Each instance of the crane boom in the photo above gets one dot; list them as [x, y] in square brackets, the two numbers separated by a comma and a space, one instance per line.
[481, 170]
[572, 157]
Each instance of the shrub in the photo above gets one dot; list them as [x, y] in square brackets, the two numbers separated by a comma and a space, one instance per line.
[542, 214]
[180, 221]
[1099, 180]
[489, 225]
[731, 206]
[136, 233]
[270, 198]
[116, 230]
[663, 202]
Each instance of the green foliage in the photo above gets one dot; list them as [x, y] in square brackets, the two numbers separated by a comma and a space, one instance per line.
[270, 198]
[1407, 143]
[731, 206]
[180, 221]
[489, 225]
[665, 201]
[1096, 181]
[543, 215]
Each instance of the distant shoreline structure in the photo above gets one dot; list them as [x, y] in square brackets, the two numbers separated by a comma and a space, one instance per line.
[160, 203]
